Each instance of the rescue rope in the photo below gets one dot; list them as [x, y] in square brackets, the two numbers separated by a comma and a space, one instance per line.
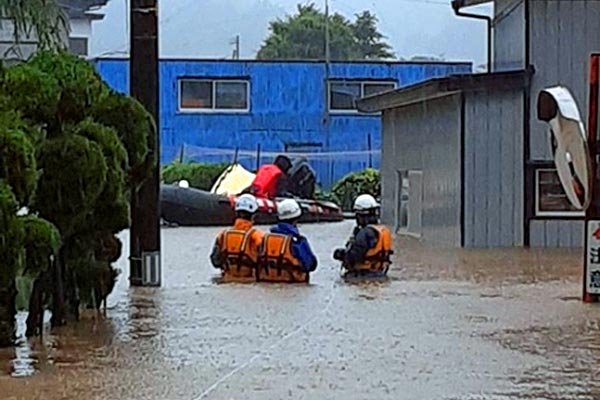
[192, 152]
[265, 352]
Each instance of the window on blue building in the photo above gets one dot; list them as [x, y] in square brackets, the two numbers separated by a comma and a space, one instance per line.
[195, 95]
[373, 88]
[343, 94]
[231, 95]
[203, 95]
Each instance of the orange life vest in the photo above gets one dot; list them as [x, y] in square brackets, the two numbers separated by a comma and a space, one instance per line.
[378, 258]
[265, 182]
[276, 261]
[239, 248]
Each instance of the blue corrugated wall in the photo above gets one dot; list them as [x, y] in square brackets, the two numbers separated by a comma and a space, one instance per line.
[288, 104]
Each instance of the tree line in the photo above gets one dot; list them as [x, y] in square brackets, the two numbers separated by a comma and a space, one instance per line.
[303, 36]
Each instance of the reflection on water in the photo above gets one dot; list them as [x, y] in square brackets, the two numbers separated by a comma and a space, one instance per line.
[63, 347]
[447, 323]
[143, 314]
[24, 361]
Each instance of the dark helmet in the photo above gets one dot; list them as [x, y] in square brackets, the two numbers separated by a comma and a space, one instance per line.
[283, 162]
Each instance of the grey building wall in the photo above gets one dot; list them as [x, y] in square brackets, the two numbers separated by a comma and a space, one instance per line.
[509, 35]
[426, 137]
[556, 233]
[563, 33]
[493, 177]
[389, 165]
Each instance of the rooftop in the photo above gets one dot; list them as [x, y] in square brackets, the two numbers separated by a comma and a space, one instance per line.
[441, 87]
[125, 57]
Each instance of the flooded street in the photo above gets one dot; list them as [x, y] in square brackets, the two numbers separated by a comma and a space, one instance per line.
[449, 324]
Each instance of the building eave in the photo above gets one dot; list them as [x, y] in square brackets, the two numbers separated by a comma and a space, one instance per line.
[294, 61]
[469, 3]
[442, 87]
[94, 15]
[81, 8]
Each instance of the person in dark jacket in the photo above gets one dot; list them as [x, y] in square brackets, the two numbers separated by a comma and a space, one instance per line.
[288, 218]
[369, 249]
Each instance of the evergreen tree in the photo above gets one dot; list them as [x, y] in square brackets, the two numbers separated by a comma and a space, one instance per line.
[303, 35]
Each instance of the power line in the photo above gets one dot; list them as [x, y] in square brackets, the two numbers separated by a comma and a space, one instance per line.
[214, 26]
[339, 4]
[178, 11]
[428, 2]
[433, 2]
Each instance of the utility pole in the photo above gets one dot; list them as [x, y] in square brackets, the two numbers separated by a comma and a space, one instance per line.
[237, 47]
[326, 119]
[327, 59]
[236, 50]
[327, 38]
[144, 86]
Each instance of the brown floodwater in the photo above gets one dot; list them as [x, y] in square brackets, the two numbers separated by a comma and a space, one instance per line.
[448, 324]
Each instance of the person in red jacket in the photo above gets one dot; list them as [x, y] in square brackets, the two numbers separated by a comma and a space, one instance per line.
[270, 180]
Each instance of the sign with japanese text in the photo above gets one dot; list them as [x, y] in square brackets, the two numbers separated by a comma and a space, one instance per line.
[592, 255]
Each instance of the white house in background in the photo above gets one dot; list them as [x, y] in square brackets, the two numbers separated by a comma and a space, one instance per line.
[81, 15]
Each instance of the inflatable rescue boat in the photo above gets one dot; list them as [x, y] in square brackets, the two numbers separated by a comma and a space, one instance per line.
[185, 206]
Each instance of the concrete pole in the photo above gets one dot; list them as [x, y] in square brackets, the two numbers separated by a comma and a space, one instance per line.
[144, 86]
[237, 47]
[327, 38]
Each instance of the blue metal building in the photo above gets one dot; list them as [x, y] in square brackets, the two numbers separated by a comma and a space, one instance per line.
[209, 108]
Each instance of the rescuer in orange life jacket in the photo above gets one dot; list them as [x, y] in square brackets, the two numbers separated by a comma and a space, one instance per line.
[270, 180]
[369, 249]
[285, 255]
[236, 249]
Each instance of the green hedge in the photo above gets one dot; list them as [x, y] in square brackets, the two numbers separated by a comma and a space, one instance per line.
[72, 151]
[354, 184]
[199, 175]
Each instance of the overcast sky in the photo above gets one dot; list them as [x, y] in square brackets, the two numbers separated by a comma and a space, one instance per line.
[205, 28]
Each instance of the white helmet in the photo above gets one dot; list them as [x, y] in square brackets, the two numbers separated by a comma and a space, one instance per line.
[246, 202]
[183, 184]
[365, 203]
[288, 209]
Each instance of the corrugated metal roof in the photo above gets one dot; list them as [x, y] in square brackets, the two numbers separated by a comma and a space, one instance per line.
[442, 87]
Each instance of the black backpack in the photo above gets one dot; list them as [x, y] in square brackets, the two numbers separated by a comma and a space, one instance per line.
[302, 179]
